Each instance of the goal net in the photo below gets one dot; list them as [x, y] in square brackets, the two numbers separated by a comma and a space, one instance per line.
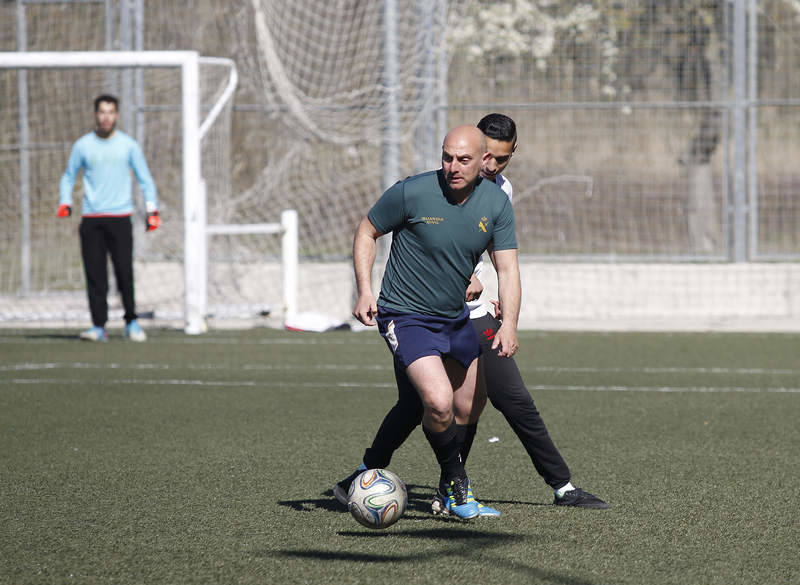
[628, 179]
[178, 106]
[653, 186]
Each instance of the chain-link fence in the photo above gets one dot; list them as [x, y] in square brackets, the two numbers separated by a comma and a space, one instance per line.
[649, 131]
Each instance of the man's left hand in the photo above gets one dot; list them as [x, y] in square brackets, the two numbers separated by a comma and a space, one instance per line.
[505, 341]
[153, 221]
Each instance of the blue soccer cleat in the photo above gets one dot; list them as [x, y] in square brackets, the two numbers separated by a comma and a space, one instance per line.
[458, 502]
[94, 334]
[483, 511]
[442, 504]
[134, 332]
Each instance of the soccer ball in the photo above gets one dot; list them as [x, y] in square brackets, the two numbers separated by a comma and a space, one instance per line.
[377, 498]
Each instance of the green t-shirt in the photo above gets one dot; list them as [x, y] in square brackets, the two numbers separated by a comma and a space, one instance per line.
[436, 243]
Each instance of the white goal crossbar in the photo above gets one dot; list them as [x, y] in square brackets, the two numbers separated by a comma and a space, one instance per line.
[196, 230]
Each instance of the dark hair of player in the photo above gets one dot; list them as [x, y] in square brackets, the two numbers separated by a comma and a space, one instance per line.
[499, 127]
[107, 98]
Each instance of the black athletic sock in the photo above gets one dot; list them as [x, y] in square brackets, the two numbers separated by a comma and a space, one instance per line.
[461, 434]
[467, 433]
[447, 445]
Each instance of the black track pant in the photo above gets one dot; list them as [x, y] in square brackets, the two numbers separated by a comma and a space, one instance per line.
[507, 393]
[101, 236]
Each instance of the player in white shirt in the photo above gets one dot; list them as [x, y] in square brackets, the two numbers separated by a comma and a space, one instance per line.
[504, 385]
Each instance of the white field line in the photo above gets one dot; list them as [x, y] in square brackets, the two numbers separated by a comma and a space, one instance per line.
[359, 385]
[387, 366]
[248, 383]
[691, 389]
[200, 367]
[200, 340]
[665, 370]
[178, 382]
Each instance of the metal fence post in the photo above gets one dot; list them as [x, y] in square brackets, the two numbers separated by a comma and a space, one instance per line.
[752, 150]
[24, 158]
[739, 244]
[390, 158]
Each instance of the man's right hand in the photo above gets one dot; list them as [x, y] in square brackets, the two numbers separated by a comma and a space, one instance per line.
[366, 309]
[64, 210]
[474, 289]
[498, 312]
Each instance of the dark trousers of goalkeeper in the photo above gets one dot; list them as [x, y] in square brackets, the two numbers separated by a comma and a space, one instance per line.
[101, 237]
[507, 393]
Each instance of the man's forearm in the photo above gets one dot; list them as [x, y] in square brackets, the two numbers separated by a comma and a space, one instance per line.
[509, 286]
[509, 290]
[364, 251]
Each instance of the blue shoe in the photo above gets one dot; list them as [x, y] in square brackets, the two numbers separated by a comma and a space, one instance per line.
[134, 332]
[441, 504]
[94, 334]
[457, 499]
[483, 511]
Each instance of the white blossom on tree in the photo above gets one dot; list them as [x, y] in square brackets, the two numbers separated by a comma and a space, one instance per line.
[515, 28]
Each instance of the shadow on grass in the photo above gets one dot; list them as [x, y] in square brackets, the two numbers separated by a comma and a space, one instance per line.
[418, 508]
[328, 503]
[449, 536]
[61, 336]
[419, 500]
[465, 544]
[450, 533]
[470, 541]
[513, 503]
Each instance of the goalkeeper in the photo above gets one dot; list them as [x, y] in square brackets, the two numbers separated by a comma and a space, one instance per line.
[106, 156]
[504, 385]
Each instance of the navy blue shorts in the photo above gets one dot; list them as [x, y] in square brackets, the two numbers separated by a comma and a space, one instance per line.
[411, 336]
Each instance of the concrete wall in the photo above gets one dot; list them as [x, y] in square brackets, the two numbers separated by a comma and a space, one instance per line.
[678, 297]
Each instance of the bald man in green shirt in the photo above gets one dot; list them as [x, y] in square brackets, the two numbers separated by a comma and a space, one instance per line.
[441, 221]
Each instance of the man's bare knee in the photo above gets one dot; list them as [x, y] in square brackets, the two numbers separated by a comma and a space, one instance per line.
[439, 412]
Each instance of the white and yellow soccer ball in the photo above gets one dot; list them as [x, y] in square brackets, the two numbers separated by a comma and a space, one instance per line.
[377, 498]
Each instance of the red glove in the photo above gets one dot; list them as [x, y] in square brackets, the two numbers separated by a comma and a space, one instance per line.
[153, 221]
[64, 210]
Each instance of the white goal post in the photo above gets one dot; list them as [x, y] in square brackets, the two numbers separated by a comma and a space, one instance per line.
[196, 229]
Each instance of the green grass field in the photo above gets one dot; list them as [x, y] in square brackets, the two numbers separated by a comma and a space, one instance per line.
[210, 460]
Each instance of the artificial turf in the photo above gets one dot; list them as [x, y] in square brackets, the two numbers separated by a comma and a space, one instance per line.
[210, 459]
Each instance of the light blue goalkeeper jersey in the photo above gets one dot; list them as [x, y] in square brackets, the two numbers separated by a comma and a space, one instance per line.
[107, 182]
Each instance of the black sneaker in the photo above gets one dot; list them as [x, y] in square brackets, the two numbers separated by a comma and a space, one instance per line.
[580, 499]
[439, 504]
[341, 488]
